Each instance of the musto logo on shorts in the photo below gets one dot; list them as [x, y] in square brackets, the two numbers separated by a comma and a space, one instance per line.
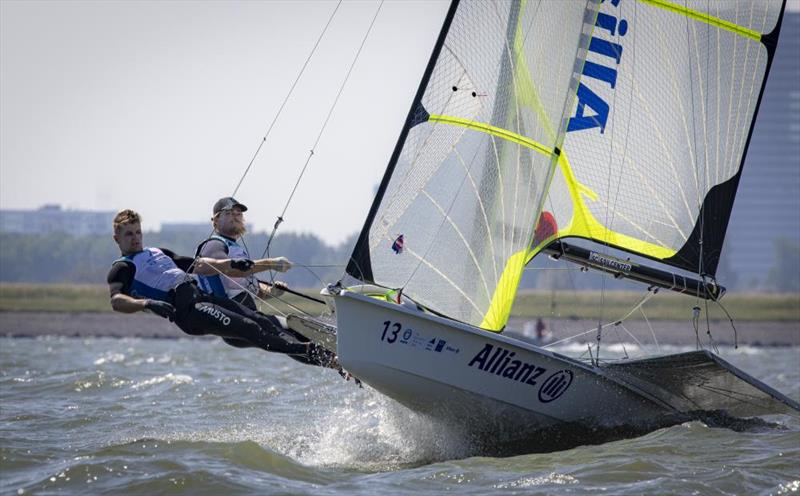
[214, 313]
[555, 385]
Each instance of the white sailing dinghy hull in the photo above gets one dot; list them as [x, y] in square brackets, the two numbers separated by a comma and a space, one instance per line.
[485, 380]
[490, 383]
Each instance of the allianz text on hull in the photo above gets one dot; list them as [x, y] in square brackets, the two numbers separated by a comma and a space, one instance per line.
[489, 383]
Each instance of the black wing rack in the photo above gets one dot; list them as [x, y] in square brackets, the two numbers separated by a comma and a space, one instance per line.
[707, 289]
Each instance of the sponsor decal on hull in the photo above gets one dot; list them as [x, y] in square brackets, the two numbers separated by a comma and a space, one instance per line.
[501, 362]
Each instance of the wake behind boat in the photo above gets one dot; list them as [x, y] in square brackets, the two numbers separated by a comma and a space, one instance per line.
[606, 134]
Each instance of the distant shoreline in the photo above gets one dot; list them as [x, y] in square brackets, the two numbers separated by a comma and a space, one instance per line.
[94, 324]
[529, 304]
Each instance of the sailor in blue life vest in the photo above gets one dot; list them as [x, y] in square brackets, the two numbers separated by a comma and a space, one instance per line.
[159, 281]
[229, 226]
[225, 243]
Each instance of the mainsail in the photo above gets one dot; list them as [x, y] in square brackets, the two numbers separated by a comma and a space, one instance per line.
[624, 122]
[454, 217]
[655, 145]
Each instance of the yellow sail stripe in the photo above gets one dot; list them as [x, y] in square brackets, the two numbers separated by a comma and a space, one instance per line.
[493, 130]
[500, 307]
[583, 223]
[706, 18]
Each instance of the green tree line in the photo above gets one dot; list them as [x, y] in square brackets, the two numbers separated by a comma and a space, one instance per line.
[62, 258]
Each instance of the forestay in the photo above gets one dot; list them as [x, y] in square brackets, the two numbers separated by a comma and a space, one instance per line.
[453, 220]
[656, 142]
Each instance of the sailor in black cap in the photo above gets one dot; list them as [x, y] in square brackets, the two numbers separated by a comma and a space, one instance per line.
[229, 226]
[224, 243]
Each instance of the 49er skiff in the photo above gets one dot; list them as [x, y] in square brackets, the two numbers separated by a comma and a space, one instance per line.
[620, 123]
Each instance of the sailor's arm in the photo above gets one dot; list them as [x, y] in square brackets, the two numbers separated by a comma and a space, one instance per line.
[239, 267]
[280, 264]
[119, 281]
[126, 304]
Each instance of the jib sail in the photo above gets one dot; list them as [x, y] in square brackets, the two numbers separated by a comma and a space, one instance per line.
[454, 217]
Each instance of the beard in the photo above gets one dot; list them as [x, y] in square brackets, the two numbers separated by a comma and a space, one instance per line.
[234, 230]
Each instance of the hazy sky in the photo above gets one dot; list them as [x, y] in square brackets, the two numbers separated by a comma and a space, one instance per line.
[159, 106]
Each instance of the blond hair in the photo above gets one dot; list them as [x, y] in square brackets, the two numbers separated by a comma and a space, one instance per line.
[125, 217]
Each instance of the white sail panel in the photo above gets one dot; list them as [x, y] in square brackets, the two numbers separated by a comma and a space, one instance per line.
[667, 99]
[456, 216]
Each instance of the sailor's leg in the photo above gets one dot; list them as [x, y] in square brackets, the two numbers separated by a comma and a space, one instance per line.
[316, 355]
[210, 318]
[268, 324]
[239, 343]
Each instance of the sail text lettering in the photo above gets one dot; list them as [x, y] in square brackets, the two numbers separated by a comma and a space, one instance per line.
[601, 50]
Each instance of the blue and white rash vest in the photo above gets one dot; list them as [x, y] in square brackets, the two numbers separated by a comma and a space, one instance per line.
[156, 274]
[227, 286]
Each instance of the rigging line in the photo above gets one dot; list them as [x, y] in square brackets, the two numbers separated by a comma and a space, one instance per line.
[445, 217]
[286, 99]
[280, 110]
[619, 339]
[730, 319]
[609, 211]
[708, 328]
[693, 143]
[668, 55]
[265, 302]
[652, 331]
[570, 338]
[641, 302]
[296, 293]
[616, 196]
[452, 223]
[255, 296]
[324, 125]
[247, 250]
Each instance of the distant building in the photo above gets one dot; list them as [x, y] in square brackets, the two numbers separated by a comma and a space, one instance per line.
[192, 227]
[767, 205]
[52, 218]
[185, 227]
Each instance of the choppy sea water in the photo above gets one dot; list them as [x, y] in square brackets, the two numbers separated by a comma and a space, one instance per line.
[145, 416]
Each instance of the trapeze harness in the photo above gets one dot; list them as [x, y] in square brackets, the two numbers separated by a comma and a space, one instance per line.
[230, 287]
[157, 277]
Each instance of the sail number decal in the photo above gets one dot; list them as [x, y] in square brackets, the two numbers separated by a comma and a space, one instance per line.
[394, 332]
[396, 327]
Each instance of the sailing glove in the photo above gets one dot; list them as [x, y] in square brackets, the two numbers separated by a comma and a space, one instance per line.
[242, 264]
[161, 308]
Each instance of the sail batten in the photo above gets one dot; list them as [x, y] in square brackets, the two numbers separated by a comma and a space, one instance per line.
[704, 18]
[493, 130]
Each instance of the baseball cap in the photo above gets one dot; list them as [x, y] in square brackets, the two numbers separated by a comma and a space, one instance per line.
[228, 203]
